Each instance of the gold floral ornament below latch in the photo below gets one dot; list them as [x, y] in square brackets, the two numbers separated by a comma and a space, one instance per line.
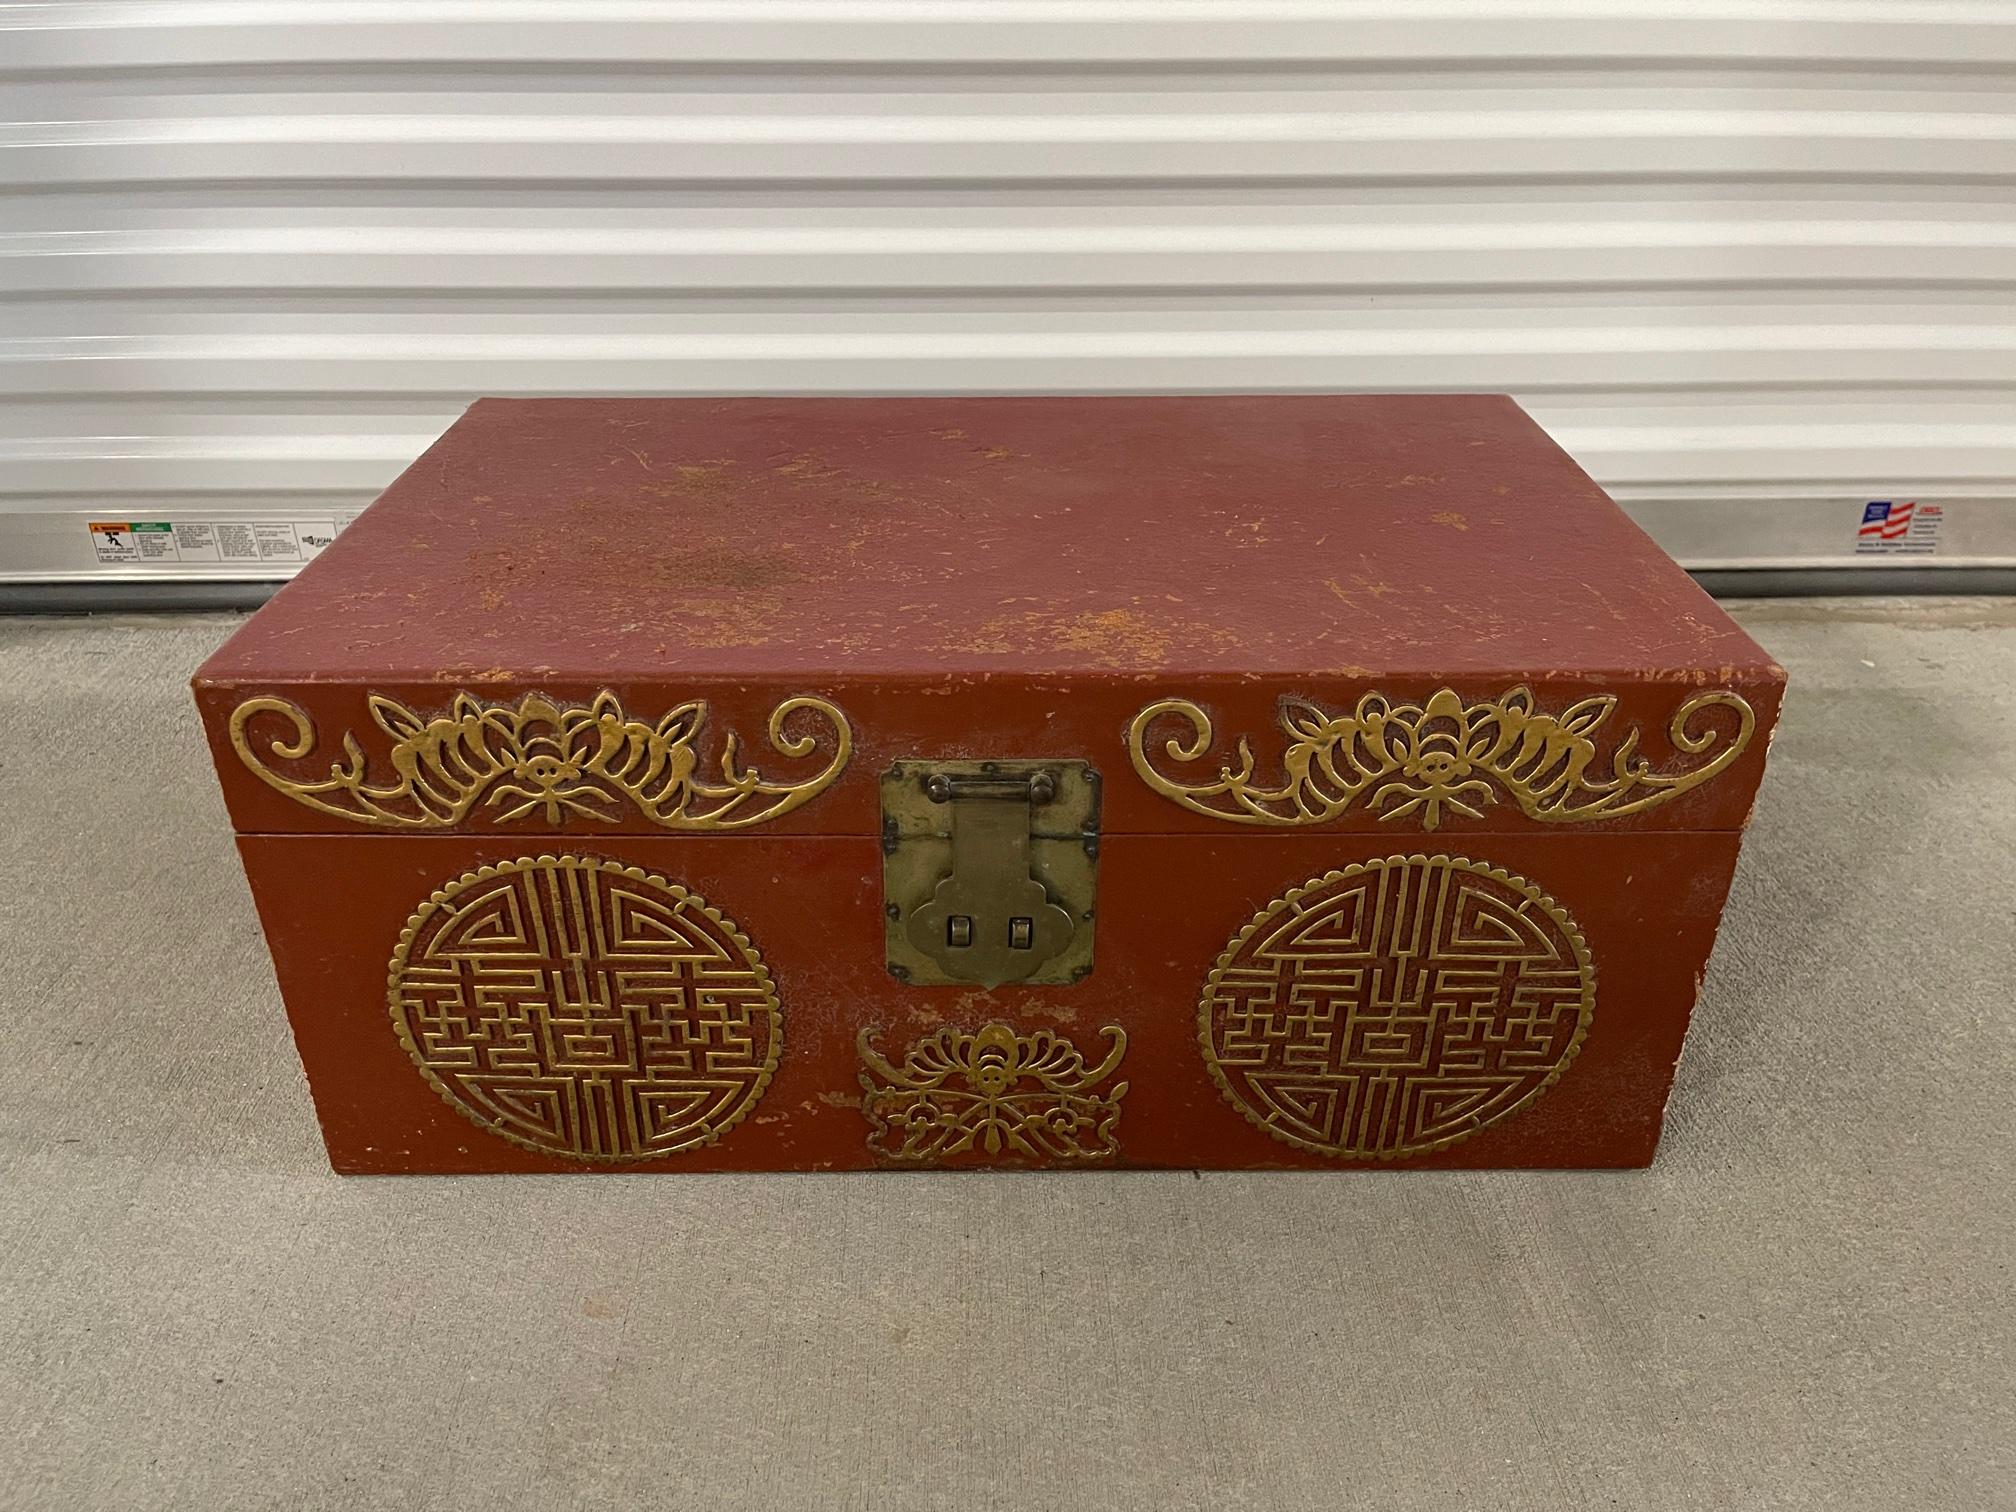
[996, 1091]
[1423, 759]
[546, 761]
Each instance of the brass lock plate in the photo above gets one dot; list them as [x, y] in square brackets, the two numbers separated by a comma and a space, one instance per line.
[990, 871]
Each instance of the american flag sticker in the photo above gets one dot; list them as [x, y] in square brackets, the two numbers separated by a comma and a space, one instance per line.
[1890, 528]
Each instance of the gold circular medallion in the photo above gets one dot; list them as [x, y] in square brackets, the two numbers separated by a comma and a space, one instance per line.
[585, 1009]
[1397, 1006]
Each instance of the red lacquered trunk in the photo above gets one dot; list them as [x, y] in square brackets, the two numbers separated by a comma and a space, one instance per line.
[1308, 781]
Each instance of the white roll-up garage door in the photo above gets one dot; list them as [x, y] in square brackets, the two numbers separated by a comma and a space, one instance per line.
[1751, 263]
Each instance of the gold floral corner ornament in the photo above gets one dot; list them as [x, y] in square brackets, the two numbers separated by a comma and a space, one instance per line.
[1442, 755]
[995, 1091]
[543, 760]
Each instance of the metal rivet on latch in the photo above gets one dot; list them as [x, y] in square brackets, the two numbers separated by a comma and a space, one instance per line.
[1021, 933]
[959, 931]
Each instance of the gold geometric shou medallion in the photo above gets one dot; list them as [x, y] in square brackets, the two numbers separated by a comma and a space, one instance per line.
[997, 1091]
[1396, 1006]
[546, 761]
[1422, 758]
[585, 1009]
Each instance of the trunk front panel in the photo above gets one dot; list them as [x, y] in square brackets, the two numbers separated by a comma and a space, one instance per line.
[622, 1002]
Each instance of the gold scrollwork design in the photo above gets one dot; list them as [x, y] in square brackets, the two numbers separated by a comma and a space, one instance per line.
[1030, 1095]
[540, 757]
[1444, 754]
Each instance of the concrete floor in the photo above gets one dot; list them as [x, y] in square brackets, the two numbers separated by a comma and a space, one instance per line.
[1807, 1302]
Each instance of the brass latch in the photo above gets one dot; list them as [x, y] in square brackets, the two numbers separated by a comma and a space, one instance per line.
[990, 871]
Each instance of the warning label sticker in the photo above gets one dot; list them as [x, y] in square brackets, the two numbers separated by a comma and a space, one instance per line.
[166, 543]
[113, 542]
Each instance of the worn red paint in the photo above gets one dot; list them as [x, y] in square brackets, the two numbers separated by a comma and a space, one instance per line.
[972, 577]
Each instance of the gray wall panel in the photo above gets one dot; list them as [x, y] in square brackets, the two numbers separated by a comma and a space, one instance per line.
[1752, 262]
